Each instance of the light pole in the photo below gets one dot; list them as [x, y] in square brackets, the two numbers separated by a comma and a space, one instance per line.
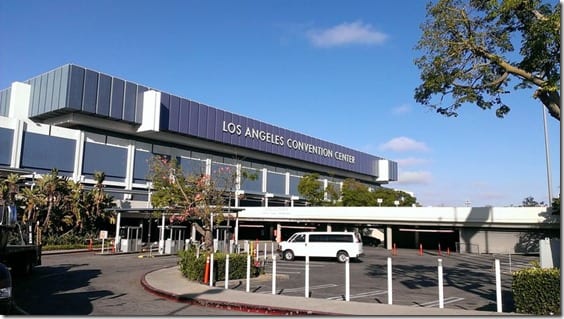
[549, 178]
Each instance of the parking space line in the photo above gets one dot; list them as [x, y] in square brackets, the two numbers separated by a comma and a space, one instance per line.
[361, 295]
[435, 303]
[303, 288]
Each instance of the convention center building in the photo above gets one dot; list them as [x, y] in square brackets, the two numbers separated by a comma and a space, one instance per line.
[81, 121]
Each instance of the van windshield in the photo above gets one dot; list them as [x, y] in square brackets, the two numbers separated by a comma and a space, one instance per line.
[291, 238]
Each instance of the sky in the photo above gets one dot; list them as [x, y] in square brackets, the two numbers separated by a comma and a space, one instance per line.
[340, 71]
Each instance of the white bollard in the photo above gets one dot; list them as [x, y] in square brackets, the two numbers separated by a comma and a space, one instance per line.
[273, 274]
[498, 286]
[347, 281]
[389, 280]
[227, 271]
[441, 297]
[248, 272]
[211, 270]
[307, 276]
[264, 251]
[272, 249]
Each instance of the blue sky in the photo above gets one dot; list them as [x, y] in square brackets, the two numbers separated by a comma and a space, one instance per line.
[341, 71]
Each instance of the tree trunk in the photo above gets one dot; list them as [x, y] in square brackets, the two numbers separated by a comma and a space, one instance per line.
[207, 234]
[209, 240]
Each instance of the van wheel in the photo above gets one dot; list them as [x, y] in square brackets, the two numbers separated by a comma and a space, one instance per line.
[289, 255]
[342, 256]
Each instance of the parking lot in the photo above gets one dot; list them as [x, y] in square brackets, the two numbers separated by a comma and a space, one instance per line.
[469, 280]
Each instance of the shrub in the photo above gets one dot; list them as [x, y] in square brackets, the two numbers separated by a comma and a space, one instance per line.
[536, 291]
[193, 267]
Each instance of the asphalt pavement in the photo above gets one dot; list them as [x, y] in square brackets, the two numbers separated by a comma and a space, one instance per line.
[171, 284]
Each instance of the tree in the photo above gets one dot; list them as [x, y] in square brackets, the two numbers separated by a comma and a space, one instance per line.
[469, 50]
[389, 196]
[311, 189]
[354, 193]
[190, 196]
[531, 202]
[556, 205]
[52, 186]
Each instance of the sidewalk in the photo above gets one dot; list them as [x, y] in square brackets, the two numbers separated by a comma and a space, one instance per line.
[170, 283]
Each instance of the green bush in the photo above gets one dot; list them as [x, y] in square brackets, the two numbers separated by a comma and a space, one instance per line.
[536, 291]
[193, 267]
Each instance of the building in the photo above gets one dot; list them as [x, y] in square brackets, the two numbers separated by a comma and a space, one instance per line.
[81, 121]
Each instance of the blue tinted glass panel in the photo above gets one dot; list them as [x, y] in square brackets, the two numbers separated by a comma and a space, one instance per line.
[294, 181]
[276, 183]
[141, 166]
[251, 180]
[48, 152]
[111, 160]
[223, 176]
[6, 137]
[192, 167]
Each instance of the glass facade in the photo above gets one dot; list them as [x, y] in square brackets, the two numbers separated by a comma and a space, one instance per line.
[141, 166]
[6, 137]
[112, 160]
[42, 153]
[276, 183]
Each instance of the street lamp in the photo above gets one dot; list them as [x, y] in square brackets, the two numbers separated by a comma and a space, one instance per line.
[379, 200]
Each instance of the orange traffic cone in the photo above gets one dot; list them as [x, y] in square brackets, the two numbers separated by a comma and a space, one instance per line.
[420, 249]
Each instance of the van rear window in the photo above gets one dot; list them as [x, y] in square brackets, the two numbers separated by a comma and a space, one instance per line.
[315, 238]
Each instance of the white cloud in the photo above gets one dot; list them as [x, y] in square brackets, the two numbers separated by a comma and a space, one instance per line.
[346, 33]
[415, 177]
[402, 109]
[403, 144]
[411, 161]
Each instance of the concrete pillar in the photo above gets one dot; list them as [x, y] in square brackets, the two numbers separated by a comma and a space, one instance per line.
[389, 240]
[278, 233]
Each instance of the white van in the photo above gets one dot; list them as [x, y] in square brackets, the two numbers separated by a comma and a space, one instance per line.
[341, 245]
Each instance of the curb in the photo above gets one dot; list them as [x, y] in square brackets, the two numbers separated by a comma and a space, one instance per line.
[235, 306]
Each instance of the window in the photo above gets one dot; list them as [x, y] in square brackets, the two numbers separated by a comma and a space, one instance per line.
[276, 183]
[43, 153]
[294, 181]
[6, 136]
[111, 160]
[192, 167]
[141, 166]
[251, 180]
[299, 238]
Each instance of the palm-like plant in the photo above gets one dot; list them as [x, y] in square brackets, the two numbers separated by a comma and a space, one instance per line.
[53, 187]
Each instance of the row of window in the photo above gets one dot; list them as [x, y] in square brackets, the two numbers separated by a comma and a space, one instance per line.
[41, 153]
